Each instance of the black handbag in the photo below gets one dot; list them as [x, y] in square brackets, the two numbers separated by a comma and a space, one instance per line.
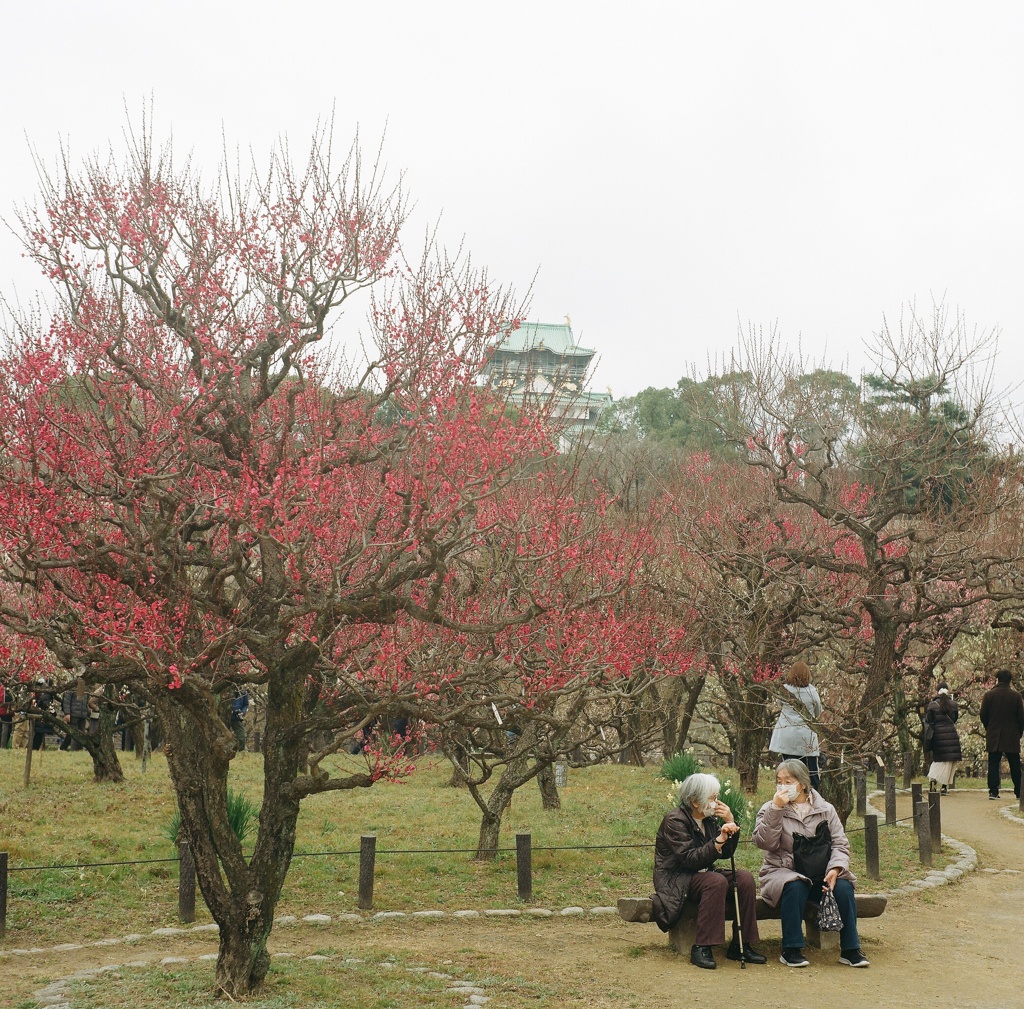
[927, 734]
[811, 854]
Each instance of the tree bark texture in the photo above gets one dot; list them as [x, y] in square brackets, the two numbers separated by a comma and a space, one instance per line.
[241, 895]
[549, 797]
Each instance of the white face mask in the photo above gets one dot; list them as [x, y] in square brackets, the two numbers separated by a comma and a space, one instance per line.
[791, 790]
[710, 807]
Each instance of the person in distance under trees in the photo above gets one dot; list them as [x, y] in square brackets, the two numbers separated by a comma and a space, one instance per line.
[689, 842]
[792, 737]
[6, 719]
[1002, 715]
[74, 705]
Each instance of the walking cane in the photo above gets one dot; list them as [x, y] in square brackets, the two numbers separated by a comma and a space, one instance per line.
[736, 899]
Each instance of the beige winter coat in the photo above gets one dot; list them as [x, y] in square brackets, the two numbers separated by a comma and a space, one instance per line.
[773, 834]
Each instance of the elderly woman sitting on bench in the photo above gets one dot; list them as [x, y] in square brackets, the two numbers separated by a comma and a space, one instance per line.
[797, 809]
[690, 840]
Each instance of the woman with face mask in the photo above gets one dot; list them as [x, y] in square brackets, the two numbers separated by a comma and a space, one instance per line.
[798, 809]
[690, 840]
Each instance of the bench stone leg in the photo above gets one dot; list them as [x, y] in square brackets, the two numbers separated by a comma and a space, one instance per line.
[819, 939]
[682, 935]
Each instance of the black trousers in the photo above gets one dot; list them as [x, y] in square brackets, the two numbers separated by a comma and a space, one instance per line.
[812, 767]
[994, 760]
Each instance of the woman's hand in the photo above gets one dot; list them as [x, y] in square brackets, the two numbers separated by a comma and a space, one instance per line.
[723, 812]
[724, 833]
[830, 878]
[781, 798]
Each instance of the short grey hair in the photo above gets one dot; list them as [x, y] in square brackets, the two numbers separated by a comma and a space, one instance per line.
[797, 769]
[698, 788]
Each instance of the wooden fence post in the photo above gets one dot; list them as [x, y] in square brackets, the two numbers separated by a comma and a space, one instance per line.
[186, 883]
[935, 821]
[915, 795]
[524, 867]
[871, 845]
[908, 769]
[3, 893]
[367, 858]
[924, 834]
[879, 774]
[890, 799]
[860, 784]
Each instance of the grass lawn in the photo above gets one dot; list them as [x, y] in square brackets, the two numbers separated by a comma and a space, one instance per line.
[64, 818]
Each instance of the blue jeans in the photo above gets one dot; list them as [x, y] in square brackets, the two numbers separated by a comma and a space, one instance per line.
[794, 897]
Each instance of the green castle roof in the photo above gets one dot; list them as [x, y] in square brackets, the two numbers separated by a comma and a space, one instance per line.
[556, 337]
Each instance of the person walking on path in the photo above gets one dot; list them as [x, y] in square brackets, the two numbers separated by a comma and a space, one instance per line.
[1002, 715]
[792, 737]
[941, 714]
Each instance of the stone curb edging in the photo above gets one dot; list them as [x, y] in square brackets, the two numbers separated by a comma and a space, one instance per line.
[56, 995]
[967, 862]
[1010, 813]
[325, 919]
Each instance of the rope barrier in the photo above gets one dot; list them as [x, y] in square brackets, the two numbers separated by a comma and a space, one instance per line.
[405, 851]
[89, 865]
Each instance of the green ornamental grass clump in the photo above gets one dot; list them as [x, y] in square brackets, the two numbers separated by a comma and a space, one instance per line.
[242, 814]
[742, 809]
[680, 766]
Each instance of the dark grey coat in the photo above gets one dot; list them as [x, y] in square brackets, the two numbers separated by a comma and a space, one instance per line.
[942, 712]
[1002, 714]
[76, 707]
[683, 847]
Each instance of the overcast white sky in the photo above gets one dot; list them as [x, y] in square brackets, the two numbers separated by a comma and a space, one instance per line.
[670, 169]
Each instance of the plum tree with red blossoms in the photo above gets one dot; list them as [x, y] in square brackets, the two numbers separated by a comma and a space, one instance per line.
[193, 498]
[553, 686]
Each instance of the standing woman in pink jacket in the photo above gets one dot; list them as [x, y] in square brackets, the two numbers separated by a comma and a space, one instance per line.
[798, 809]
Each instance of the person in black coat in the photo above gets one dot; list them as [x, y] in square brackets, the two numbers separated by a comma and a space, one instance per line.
[1002, 714]
[941, 714]
[690, 840]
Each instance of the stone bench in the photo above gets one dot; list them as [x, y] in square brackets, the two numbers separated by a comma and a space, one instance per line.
[682, 934]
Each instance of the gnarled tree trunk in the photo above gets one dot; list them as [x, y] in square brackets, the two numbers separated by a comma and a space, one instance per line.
[549, 797]
[240, 894]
